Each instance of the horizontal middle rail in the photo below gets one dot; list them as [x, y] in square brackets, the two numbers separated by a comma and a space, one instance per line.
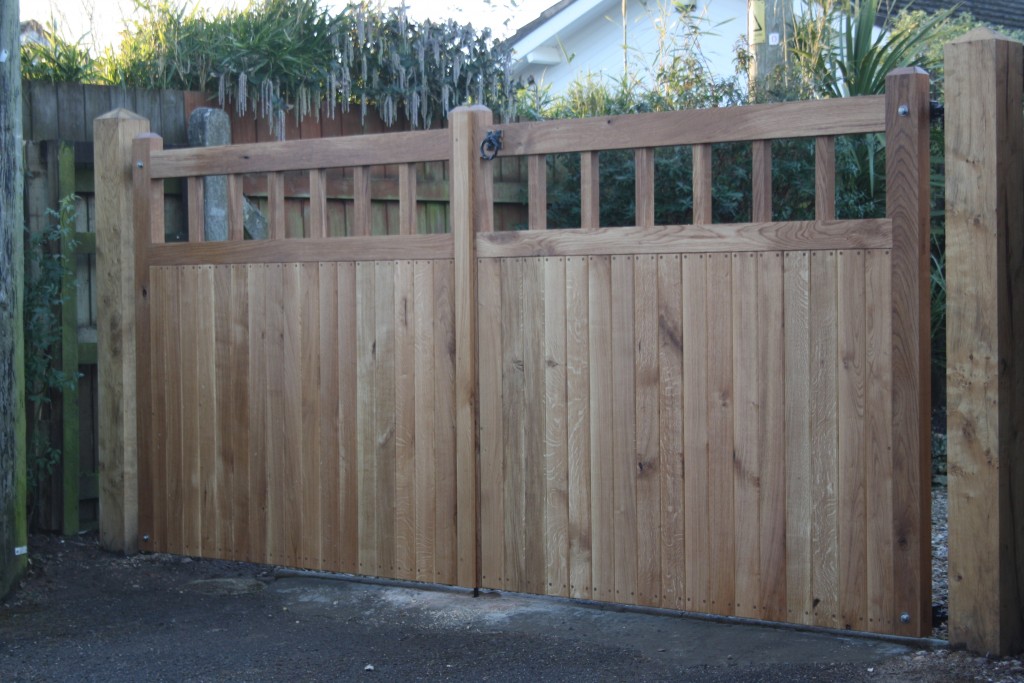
[317, 250]
[872, 233]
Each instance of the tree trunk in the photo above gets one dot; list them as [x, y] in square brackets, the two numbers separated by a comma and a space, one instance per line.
[13, 533]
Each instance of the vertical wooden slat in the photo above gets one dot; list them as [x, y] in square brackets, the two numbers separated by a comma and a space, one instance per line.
[426, 457]
[702, 184]
[761, 181]
[771, 367]
[330, 465]
[602, 398]
[196, 210]
[317, 203]
[189, 501]
[747, 441]
[878, 436]
[360, 224]
[492, 529]
[236, 215]
[275, 198]
[825, 178]
[824, 463]
[695, 433]
[407, 199]
[513, 400]
[907, 204]
[258, 517]
[239, 397]
[405, 421]
[537, 192]
[534, 422]
[985, 341]
[309, 353]
[206, 401]
[366, 434]
[648, 465]
[349, 377]
[796, 322]
[384, 415]
[721, 471]
[224, 417]
[446, 567]
[556, 508]
[577, 371]
[590, 190]
[163, 294]
[851, 451]
[643, 160]
[670, 398]
[289, 460]
[624, 463]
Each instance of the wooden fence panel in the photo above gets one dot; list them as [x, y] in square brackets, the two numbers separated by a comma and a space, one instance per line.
[295, 372]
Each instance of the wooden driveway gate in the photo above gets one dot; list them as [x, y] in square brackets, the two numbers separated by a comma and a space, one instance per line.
[729, 419]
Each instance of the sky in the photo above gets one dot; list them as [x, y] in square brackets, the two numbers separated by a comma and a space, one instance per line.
[99, 22]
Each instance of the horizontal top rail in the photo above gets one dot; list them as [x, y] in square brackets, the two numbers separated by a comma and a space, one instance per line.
[846, 116]
[301, 155]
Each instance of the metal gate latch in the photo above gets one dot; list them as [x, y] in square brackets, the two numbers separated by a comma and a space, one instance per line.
[491, 145]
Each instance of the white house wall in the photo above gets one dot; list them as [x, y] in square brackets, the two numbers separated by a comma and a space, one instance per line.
[594, 43]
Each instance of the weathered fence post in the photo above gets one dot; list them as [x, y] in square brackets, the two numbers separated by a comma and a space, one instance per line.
[472, 210]
[907, 204]
[985, 341]
[115, 259]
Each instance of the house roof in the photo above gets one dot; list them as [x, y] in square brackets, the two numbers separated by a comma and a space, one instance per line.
[1007, 13]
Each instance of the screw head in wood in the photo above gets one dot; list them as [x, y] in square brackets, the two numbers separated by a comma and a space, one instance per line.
[904, 110]
[139, 164]
[145, 537]
[905, 618]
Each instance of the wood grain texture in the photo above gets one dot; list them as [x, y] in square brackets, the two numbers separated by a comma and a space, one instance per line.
[535, 414]
[694, 239]
[578, 427]
[643, 180]
[301, 155]
[825, 178]
[756, 122]
[556, 456]
[907, 204]
[670, 397]
[426, 457]
[602, 453]
[590, 190]
[746, 475]
[797, 439]
[985, 341]
[537, 192]
[492, 497]
[761, 181]
[824, 461]
[647, 445]
[702, 199]
[695, 432]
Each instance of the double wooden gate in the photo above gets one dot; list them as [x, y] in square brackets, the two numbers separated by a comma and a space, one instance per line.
[722, 418]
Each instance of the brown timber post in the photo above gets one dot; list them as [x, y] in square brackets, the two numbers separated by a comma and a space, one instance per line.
[907, 116]
[115, 349]
[472, 198]
[985, 341]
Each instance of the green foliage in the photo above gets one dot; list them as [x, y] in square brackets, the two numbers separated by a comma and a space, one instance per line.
[58, 59]
[45, 267]
[838, 52]
[282, 55]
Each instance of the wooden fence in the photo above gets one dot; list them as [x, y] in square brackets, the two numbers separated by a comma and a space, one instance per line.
[724, 418]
